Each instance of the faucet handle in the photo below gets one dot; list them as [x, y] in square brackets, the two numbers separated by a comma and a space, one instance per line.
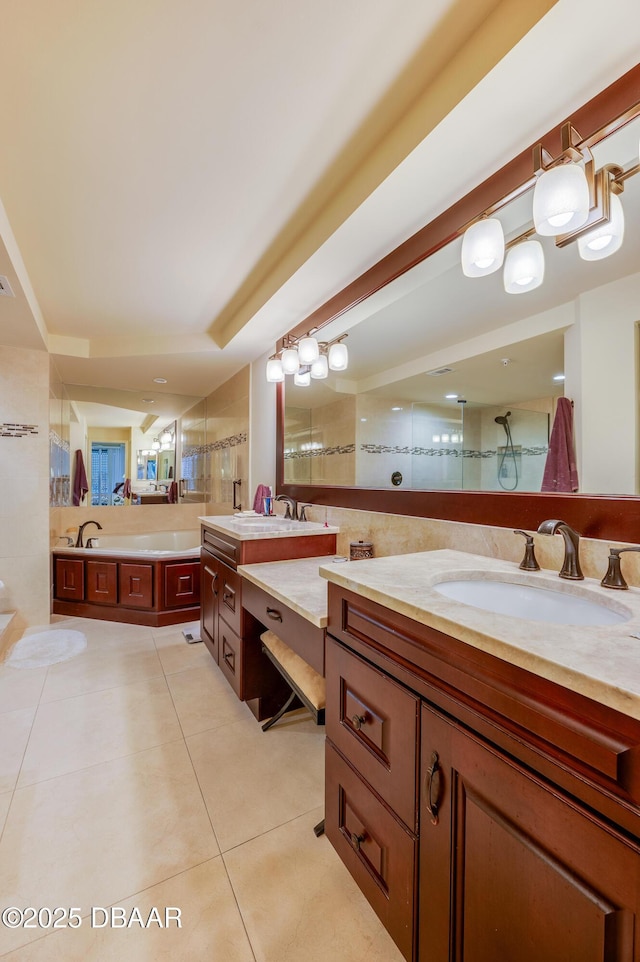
[302, 511]
[614, 577]
[529, 562]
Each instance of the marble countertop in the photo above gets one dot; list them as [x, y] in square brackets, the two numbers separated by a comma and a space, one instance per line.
[248, 526]
[602, 663]
[296, 584]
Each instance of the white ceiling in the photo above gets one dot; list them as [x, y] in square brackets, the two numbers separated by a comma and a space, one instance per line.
[180, 184]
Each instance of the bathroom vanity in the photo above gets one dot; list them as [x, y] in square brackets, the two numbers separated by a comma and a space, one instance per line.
[482, 771]
[229, 626]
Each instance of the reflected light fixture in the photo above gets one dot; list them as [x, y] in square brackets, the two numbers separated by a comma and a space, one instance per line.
[155, 445]
[308, 357]
[572, 201]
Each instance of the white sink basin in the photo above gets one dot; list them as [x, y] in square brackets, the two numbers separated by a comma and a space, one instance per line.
[525, 601]
[264, 523]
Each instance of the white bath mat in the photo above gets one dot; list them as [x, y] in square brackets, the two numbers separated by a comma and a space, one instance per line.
[46, 648]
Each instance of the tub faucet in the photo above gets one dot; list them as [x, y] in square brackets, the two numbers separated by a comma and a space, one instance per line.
[291, 512]
[571, 565]
[79, 543]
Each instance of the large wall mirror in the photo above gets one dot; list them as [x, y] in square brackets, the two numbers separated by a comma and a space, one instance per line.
[132, 454]
[452, 383]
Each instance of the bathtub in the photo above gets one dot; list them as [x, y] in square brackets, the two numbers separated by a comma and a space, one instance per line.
[159, 544]
[151, 578]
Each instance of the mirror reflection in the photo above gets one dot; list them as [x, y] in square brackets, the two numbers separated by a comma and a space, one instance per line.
[453, 384]
[115, 452]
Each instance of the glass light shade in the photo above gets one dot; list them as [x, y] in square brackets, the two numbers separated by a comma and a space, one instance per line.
[524, 267]
[156, 444]
[166, 437]
[320, 367]
[302, 379]
[605, 239]
[274, 370]
[560, 200]
[290, 361]
[483, 248]
[308, 350]
[338, 356]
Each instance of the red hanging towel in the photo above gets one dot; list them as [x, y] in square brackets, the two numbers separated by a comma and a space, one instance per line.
[80, 486]
[561, 470]
[172, 493]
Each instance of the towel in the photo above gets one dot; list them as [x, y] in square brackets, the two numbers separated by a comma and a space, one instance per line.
[172, 492]
[561, 470]
[262, 491]
[80, 486]
[126, 490]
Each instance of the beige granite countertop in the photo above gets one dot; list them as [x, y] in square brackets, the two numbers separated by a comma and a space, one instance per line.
[251, 527]
[602, 663]
[296, 584]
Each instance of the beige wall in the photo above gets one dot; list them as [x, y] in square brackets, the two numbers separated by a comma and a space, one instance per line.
[24, 476]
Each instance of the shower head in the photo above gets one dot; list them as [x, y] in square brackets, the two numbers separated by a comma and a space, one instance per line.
[502, 419]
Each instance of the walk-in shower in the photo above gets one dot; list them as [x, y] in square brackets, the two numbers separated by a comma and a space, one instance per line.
[508, 453]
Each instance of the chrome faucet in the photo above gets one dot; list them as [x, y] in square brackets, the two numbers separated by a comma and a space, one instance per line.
[571, 565]
[79, 543]
[291, 512]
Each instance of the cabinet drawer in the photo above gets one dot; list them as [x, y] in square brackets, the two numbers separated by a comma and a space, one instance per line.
[136, 585]
[227, 549]
[305, 638]
[102, 582]
[69, 579]
[230, 657]
[230, 598]
[374, 722]
[377, 850]
[182, 584]
[242, 662]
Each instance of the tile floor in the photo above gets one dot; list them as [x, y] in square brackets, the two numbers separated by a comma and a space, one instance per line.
[131, 776]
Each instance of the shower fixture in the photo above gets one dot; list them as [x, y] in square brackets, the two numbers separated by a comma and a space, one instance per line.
[508, 452]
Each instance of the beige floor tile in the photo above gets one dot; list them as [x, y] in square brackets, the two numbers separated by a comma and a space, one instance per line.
[20, 687]
[74, 733]
[15, 727]
[204, 699]
[253, 781]
[120, 658]
[211, 929]
[298, 900]
[176, 655]
[5, 801]
[96, 836]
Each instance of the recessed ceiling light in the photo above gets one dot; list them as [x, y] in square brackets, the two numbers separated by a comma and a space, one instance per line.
[451, 397]
[160, 380]
[396, 409]
[363, 419]
[148, 400]
[558, 377]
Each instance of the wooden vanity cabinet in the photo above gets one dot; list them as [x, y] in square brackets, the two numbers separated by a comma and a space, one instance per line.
[229, 629]
[526, 798]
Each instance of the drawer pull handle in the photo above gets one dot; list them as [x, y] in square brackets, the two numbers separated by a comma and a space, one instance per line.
[227, 596]
[358, 721]
[433, 787]
[228, 657]
[357, 840]
[213, 583]
[274, 614]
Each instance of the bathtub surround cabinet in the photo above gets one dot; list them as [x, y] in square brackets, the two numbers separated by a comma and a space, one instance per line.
[485, 797]
[154, 592]
[230, 630]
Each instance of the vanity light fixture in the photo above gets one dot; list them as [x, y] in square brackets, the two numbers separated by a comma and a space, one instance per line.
[166, 437]
[572, 201]
[308, 357]
[156, 444]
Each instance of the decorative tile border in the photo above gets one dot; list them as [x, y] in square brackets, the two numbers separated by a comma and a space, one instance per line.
[439, 452]
[55, 439]
[229, 442]
[10, 430]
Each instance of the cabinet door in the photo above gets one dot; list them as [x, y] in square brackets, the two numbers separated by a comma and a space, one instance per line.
[209, 587]
[136, 585]
[69, 579]
[182, 584]
[102, 582]
[512, 869]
